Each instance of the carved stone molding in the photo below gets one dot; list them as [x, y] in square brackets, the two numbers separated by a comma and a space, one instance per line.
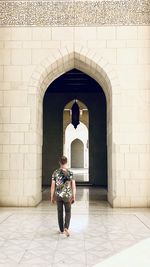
[74, 13]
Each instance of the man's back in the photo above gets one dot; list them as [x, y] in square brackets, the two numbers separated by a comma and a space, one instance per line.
[63, 178]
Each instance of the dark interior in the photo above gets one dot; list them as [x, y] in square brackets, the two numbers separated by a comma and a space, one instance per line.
[75, 84]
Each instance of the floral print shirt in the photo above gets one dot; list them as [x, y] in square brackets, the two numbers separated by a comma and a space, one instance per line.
[63, 180]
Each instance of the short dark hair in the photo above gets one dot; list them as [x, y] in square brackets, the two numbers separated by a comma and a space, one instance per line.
[63, 160]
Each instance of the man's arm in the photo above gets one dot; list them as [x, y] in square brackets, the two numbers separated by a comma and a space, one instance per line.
[74, 190]
[52, 191]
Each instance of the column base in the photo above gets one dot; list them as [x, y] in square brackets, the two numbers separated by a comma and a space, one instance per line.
[128, 202]
[20, 201]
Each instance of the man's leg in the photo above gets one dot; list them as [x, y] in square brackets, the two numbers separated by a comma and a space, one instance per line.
[67, 205]
[60, 214]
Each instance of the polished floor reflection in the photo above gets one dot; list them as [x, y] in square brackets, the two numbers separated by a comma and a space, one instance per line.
[29, 236]
[81, 174]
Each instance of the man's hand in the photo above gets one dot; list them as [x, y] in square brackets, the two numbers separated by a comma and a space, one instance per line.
[72, 200]
[52, 200]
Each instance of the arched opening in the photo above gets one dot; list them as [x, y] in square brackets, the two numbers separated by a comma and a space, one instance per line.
[77, 154]
[57, 103]
[61, 61]
[71, 134]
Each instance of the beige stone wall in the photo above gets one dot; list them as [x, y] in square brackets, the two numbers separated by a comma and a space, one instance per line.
[118, 57]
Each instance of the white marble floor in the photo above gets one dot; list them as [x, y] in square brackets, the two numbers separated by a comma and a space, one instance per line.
[29, 236]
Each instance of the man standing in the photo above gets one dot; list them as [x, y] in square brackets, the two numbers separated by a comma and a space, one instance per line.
[63, 187]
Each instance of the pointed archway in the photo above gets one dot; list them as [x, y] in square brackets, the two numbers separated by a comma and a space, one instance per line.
[52, 67]
[70, 135]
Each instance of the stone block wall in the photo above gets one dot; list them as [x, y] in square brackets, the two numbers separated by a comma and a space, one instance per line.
[118, 57]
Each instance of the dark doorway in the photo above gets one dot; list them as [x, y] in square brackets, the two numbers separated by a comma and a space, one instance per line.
[72, 85]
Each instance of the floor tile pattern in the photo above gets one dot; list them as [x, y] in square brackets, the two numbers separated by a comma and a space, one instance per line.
[30, 237]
